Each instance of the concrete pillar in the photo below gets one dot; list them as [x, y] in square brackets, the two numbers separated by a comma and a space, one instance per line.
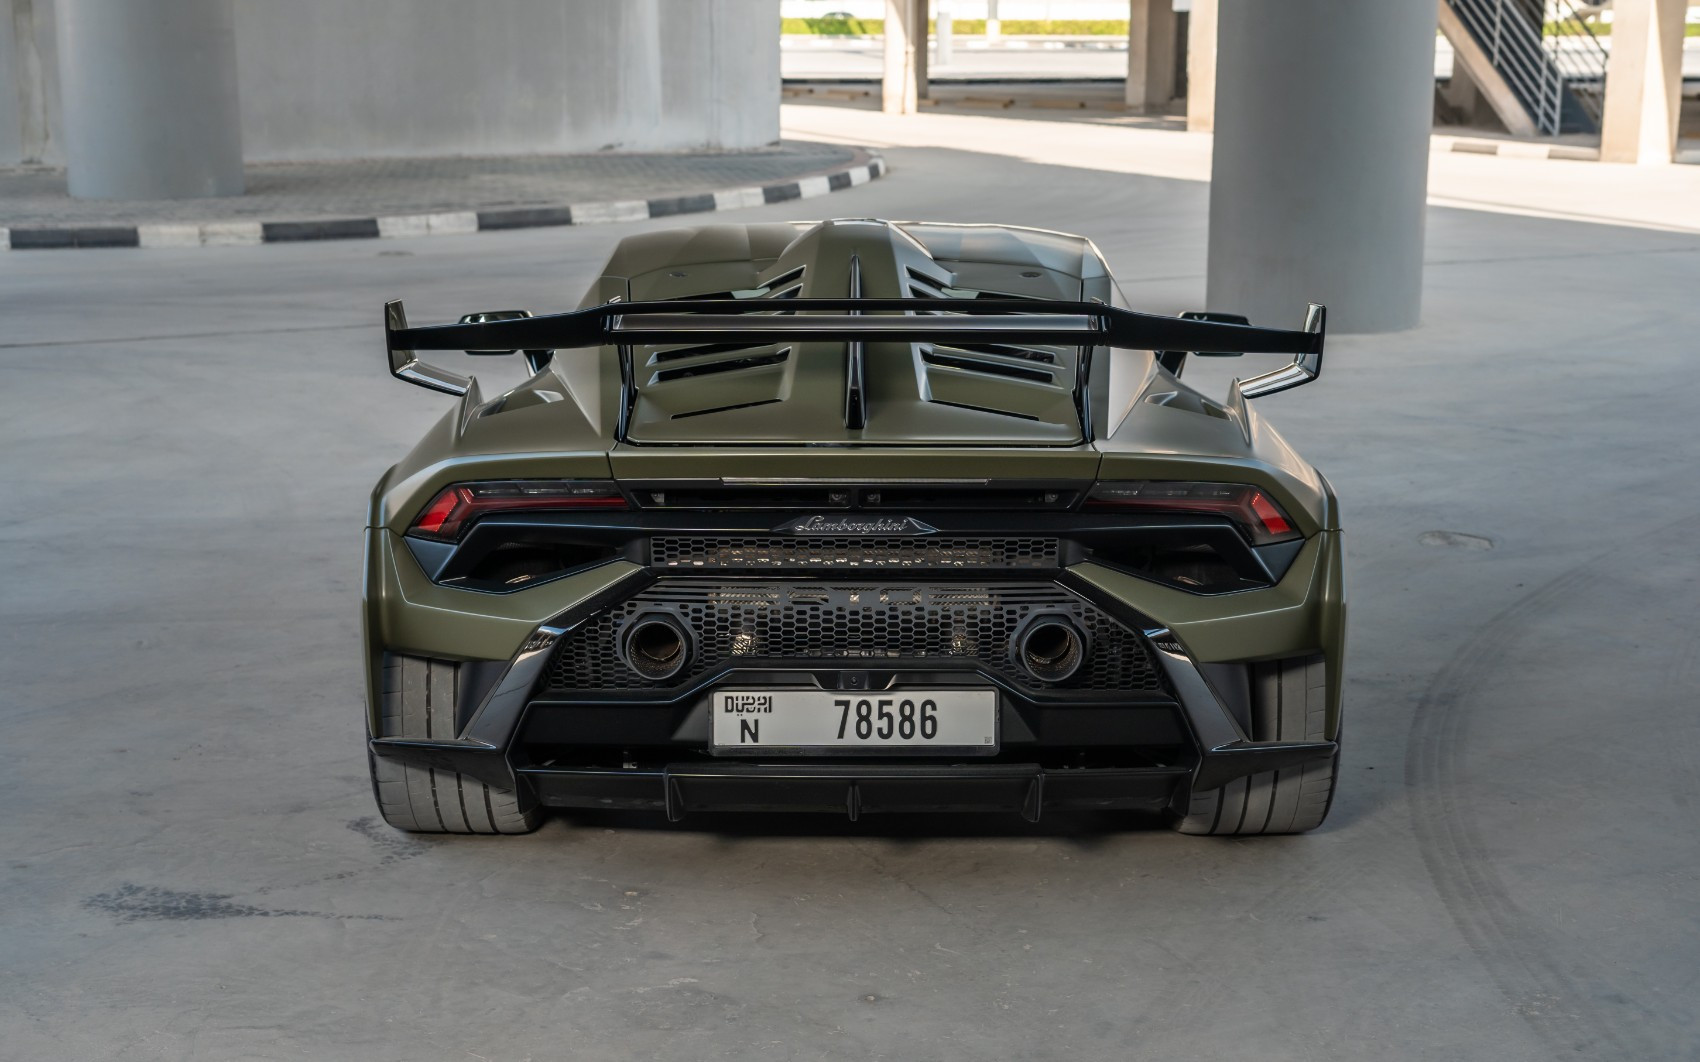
[29, 84]
[1643, 81]
[1150, 54]
[994, 25]
[149, 97]
[1320, 169]
[923, 54]
[905, 56]
[946, 31]
[1201, 67]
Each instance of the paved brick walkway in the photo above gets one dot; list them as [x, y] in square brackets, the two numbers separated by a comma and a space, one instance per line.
[374, 188]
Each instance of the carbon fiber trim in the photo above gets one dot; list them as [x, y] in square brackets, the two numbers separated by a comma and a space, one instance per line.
[831, 553]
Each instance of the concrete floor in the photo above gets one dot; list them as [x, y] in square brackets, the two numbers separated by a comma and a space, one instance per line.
[190, 862]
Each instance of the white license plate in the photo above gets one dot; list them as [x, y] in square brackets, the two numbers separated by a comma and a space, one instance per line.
[827, 719]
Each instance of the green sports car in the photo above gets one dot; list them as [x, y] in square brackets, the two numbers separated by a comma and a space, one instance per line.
[853, 516]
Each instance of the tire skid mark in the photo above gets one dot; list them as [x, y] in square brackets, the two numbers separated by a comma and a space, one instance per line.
[393, 845]
[1505, 938]
[130, 902]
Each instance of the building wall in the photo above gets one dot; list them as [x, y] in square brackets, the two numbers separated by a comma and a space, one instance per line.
[325, 79]
[329, 79]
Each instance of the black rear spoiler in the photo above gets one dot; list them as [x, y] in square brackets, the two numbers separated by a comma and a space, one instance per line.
[762, 321]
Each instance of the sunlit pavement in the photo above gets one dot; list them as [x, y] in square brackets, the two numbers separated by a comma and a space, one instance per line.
[1660, 197]
[1102, 57]
[192, 867]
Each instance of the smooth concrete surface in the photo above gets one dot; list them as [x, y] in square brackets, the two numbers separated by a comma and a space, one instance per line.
[1322, 116]
[326, 79]
[149, 91]
[190, 863]
[1654, 197]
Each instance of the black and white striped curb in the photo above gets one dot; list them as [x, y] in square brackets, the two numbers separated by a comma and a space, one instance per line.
[1516, 149]
[241, 233]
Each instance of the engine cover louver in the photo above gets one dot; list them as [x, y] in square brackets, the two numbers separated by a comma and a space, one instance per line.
[827, 392]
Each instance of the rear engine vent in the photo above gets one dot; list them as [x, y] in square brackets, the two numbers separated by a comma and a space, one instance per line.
[1003, 350]
[784, 286]
[791, 281]
[708, 368]
[934, 356]
[922, 286]
[1199, 568]
[753, 552]
[661, 357]
[956, 375]
[518, 565]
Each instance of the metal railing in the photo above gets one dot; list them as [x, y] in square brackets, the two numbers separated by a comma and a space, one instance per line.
[1578, 54]
[1542, 69]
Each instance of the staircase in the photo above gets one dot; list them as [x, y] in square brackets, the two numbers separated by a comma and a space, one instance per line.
[1540, 83]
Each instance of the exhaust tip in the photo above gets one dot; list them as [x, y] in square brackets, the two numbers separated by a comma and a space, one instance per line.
[656, 647]
[1051, 648]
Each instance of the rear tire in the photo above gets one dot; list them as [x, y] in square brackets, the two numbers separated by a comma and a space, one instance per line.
[419, 698]
[1290, 703]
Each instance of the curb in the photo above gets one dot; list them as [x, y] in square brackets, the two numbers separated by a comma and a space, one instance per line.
[1516, 149]
[1105, 42]
[399, 226]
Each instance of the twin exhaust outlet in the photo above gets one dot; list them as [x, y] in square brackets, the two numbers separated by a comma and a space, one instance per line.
[656, 646]
[1049, 648]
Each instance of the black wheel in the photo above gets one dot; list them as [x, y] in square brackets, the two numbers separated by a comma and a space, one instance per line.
[419, 702]
[1289, 702]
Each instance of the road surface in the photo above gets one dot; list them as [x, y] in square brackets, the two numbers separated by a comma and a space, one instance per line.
[191, 866]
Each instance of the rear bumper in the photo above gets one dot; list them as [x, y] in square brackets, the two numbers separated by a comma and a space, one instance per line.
[1214, 746]
[848, 789]
[857, 788]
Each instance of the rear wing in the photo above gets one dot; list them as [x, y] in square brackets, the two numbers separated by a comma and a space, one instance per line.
[854, 321]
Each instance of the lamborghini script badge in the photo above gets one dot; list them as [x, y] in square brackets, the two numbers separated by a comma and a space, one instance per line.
[847, 524]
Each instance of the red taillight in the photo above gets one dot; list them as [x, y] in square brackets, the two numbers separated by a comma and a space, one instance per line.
[442, 510]
[1273, 519]
[456, 507]
[1248, 506]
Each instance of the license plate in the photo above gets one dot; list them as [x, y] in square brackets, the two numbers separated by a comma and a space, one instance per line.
[807, 719]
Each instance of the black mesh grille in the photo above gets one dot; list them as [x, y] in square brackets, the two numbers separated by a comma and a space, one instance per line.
[871, 624]
[682, 552]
